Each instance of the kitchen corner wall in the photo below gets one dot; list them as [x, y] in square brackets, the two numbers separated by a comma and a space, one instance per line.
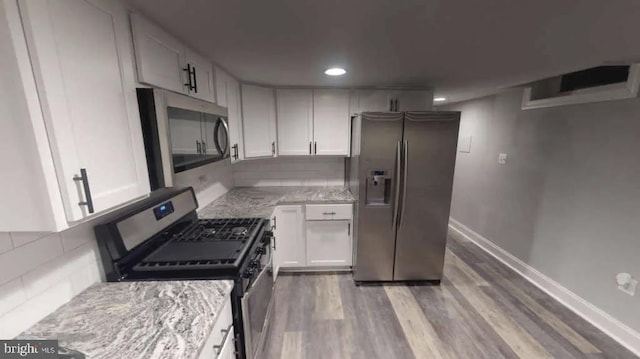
[567, 202]
[289, 171]
[41, 271]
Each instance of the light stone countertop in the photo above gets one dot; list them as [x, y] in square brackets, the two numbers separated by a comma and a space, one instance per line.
[249, 202]
[136, 320]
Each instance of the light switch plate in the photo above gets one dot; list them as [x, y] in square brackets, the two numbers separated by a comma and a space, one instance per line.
[464, 145]
[502, 158]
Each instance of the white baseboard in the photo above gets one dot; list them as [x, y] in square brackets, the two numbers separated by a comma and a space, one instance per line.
[594, 315]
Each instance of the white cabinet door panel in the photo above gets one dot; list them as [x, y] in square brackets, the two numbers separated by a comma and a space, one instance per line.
[203, 78]
[234, 107]
[289, 237]
[328, 243]
[331, 122]
[295, 122]
[373, 100]
[159, 56]
[414, 100]
[221, 87]
[259, 121]
[82, 61]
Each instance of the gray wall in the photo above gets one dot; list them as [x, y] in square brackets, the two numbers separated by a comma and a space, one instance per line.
[568, 200]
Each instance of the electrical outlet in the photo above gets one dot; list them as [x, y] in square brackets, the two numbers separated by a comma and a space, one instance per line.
[627, 283]
[502, 158]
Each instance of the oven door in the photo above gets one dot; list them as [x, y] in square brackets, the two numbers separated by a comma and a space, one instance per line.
[256, 308]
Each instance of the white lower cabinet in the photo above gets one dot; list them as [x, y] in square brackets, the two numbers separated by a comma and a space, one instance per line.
[312, 236]
[220, 343]
[328, 243]
[288, 242]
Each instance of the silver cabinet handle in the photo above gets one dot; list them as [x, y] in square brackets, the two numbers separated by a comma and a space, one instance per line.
[87, 191]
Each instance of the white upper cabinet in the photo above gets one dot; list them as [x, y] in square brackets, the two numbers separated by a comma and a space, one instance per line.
[392, 100]
[295, 122]
[372, 100]
[159, 56]
[83, 67]
[228, 95]
[259, 121]
[331, 122]
[413, 100]
[164, 62]
[202, 77]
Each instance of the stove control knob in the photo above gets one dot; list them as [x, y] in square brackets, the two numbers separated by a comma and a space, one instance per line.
[261, 250]
[254, 263]
[248, 273]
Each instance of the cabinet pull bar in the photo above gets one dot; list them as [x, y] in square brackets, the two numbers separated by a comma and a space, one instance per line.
[273, 148]
[309, 147]
[195, 79]
[315, 148]
[87, 191]
[189, 70]
[198, 147]
[349, 229]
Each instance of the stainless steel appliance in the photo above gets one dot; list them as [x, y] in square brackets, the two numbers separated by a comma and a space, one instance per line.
[180, 133]
[161, 238]
[401, 172]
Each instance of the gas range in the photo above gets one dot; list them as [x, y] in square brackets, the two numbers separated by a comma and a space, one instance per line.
[161, 238]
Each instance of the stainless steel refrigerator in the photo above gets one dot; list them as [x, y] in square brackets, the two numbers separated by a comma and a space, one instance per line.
[401, 172]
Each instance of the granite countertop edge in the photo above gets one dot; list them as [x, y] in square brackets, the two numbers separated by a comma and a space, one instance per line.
[146, 319]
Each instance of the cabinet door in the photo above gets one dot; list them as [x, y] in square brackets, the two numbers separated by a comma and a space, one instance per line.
[331, 122]
[221, 87]
[289, 248]
[259, 121]
[373, 100]
[235, 119]
[295, 122]
[159, 56]
[228, 350]
[414, 100]
[202, 78]
[82, 62]
[329, 243]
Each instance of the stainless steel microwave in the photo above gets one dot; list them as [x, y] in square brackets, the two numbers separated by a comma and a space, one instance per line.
[180, 134]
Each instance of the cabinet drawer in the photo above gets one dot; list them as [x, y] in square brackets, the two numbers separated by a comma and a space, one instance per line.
[328, 212]
[214, 342]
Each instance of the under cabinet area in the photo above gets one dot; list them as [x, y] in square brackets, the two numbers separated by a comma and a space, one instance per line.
[164, 62]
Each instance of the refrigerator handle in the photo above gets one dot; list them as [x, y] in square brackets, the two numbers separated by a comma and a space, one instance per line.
[405, 165]
[396, 197]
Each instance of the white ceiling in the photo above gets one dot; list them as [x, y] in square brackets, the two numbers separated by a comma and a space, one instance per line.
[462, 49]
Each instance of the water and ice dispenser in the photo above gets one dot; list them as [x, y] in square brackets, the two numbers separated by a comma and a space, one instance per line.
[378, 190]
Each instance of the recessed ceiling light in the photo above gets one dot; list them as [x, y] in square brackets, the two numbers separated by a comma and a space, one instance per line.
[335, 71]
[440, 99]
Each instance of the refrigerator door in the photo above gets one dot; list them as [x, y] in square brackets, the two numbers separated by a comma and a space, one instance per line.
[377, 164]
[429, 154]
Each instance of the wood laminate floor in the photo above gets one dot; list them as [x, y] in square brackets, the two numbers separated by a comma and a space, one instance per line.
[482, 309]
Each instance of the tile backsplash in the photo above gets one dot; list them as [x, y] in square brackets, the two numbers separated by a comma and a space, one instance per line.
[41, 271]
[292, 171]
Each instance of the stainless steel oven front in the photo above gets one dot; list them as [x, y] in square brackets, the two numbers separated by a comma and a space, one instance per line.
[257, 305]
